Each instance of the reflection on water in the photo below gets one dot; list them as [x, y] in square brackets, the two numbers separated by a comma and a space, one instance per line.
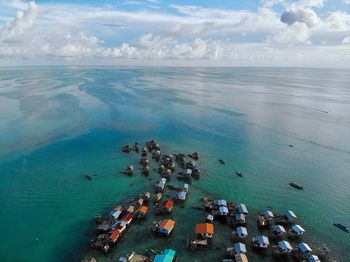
[57, 123]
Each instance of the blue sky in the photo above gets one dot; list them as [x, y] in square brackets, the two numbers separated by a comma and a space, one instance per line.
[155, 32]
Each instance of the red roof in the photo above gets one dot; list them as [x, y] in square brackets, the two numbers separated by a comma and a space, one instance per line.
[168, 204]
[115, 235]
[127, 218]
[167, 224]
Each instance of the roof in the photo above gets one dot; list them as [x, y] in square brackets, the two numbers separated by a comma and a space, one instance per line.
[263, 240]
[241, 258]
[182, 195]
[168, 204]
[240, 216]
[143, 209]
[167, 256]
[279, 229]
[304, 248]
[298, 229]
[314, 258]
[116, 214]
[115, 234]
[290, 214]
[285, 245]
[205, 228]
[169, 252]
[127, 217]
[242, 208]
[222, 202]
[242, 231]
[185, 187]
[223, 210]
[163, 258]
[268, 214]
[188, 171]
[167, 224]
[240, 248]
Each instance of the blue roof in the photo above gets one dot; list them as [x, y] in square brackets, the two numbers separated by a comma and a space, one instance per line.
[279, 229]
[314, 258]
[182, 195]
[167, 256]
[242, 208]
[290, 214]
[298, 229]
[268, 213]
[285, 245]
[240, 248]
[223, 210]
[169, 252]
[242, 231]
[263, 240]
[222, 202]
[304, 248]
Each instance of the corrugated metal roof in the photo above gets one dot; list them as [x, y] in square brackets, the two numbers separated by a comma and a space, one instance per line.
[240, 248]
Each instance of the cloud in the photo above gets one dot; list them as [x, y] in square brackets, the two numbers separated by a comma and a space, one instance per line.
[338, 21]
[307, 16]
[347, 2]
[14, 30]
[346, 40]
[296, 34]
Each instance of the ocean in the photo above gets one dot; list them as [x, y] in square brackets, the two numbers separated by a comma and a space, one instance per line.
[275, 125]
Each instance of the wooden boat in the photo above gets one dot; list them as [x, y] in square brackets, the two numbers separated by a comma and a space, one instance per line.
[222, 162]
[342, 227]
[296, 185]
[88, 176]
[194, 156]
[239, 174]
[126, 149]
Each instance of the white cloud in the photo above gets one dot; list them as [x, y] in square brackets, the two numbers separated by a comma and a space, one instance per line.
[191, 33]
[14, 30]
[296, 34]
[346, 40]
[346, 2]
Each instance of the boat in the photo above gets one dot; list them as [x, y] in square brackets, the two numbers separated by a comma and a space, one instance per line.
[296, 185]
[239, 174]
[342, 227]
[88, 176]
[222, 162]
[126, 149]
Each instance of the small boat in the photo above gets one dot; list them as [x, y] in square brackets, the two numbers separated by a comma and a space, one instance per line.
[126, 149]
[291, 146]
[342, 227]
[88, 176]
[222, 162]
[239, 174]
[295, 185]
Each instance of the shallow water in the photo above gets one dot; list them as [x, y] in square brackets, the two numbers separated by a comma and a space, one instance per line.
[57, 123]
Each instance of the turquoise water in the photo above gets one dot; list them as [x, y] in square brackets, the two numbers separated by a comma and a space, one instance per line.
[57, 123]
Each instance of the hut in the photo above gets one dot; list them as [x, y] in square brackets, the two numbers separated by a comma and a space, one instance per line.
[284, 247]
[241, 232]
[166, 226]
[160, 185]
[127, 219]
[114, 236]
[185, 187]
[296, 231]
[268, 214]
[209, 219]
[314, 258]
[290, 216]
[239, 248]
[141, 212]
[240, 219]
[169, 255]
[241, 208]
[185, 174]
[204, 230]
[168, 206]
[181, 196]
[241, 257]
[221, 202]
[304, 249]
[260, 242]
[278, 231]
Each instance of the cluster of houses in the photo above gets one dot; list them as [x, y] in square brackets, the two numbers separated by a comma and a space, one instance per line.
[276, 230]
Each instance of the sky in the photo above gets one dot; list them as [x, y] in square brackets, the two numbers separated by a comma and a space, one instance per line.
[296, 33]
